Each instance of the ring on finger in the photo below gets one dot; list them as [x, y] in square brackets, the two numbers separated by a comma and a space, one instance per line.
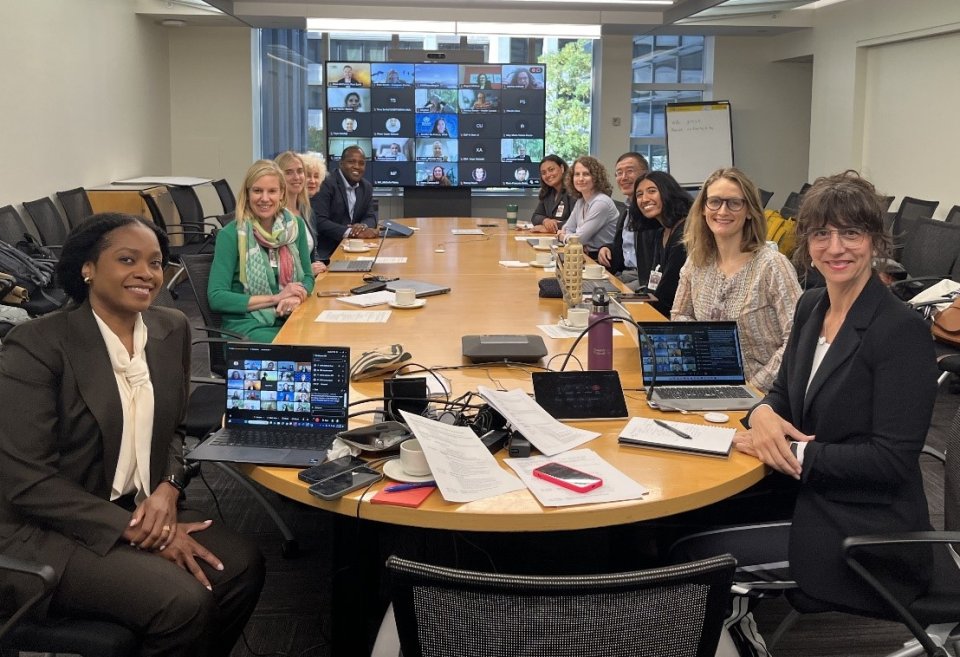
[165, 528]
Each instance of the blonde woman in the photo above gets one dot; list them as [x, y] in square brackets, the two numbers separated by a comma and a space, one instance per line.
[261, 267]
[731, 274]
[316, 171]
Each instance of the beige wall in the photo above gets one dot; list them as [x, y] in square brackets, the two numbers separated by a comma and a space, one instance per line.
[87, 100]
[211, 105]
[771, 112]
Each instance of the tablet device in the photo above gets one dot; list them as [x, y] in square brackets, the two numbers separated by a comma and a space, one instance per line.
[591, 395]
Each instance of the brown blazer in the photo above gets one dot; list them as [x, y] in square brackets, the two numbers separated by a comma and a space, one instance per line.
[60, 433]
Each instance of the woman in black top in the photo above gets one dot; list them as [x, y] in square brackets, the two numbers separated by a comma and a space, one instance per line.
[555, 204]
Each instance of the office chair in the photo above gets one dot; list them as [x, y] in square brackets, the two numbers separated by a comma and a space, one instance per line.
[930, 254]
[910, 208]
[193, 240]
[197, 268]
[953, 217]
[227, 198]
[191, 210]
[791, 205]
[48, 222]
[765, 197]
[674, 610]
[76, 205]
[12, 227]
[75, 636]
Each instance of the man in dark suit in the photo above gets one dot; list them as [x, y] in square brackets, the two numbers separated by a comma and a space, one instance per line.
[343, 206]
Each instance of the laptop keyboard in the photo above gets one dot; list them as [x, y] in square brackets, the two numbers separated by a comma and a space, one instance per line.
[355, 265]
[274, 439]
[703, 392]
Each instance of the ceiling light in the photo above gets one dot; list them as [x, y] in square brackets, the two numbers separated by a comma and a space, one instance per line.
[526, 29]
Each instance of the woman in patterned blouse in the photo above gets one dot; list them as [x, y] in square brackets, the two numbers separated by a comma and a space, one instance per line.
[730, 274]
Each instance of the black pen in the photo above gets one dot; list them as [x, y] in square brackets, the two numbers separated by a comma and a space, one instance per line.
[661, 423]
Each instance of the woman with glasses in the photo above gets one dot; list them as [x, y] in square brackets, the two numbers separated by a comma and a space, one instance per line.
[846, 417]
[731, 274]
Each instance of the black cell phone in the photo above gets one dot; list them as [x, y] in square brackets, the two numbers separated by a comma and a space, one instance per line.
[375, 286]
[336, 487]
[330, 469]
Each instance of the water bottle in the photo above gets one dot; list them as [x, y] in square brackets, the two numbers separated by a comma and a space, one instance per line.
[600, 337]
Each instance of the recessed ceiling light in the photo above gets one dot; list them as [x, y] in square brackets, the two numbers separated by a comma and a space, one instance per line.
[172, 22]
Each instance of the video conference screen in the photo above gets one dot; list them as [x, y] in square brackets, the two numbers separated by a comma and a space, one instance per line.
[438, 124]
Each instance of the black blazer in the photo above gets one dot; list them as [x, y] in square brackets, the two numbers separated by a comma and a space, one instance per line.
[331, 214]
[547, 207]
[869, 407]
[58, 458]
[644, 245]
[670, 258]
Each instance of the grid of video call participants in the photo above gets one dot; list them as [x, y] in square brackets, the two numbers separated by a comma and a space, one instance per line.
[675, 353]
[473, 125]
[266, 385]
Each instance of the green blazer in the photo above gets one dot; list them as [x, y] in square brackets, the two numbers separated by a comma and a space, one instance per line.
[61, 429]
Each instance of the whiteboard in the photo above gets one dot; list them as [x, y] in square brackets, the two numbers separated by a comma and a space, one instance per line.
[699, 140]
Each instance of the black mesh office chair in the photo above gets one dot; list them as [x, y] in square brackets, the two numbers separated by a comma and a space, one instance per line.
[193, 240]
[675, 610]
[48, 222]
[227, 198]
[765, 197]
[12, 227]
[930, 254]
[76, 205]
[197, 268]
[953, 217]
[191, 210]
[791, 205]
[20, 632]
[910, 208]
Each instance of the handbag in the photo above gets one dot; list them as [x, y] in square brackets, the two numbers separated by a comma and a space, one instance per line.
[946, 325]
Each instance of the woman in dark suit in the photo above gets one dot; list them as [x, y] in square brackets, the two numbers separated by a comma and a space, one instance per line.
[90, 478]
[849, 410]
[555, 203]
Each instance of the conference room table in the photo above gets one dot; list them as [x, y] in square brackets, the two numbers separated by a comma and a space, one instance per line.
[487, 297]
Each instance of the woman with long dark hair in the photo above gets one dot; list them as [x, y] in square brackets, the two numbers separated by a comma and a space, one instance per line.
[555, 203]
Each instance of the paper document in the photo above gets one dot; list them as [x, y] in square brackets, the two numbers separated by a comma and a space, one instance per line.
[462, 466]
[466, 231]
[529, 418]
[616, 485]
[514, 263]
[175, 181]
[354, 316]
[558, 331]
[714, 441]
[369, 299]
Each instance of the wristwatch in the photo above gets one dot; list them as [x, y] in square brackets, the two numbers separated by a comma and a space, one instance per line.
[173, 481]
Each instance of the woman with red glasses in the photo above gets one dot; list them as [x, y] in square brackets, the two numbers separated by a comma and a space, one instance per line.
[731, 274]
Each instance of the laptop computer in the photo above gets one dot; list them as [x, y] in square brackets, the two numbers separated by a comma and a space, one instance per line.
[421, 288]
[699, 367]
[575, 395]
[284, 404]
[356, 265]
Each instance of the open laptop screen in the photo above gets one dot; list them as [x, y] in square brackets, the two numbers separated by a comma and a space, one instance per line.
[287, 386]
[693, 353]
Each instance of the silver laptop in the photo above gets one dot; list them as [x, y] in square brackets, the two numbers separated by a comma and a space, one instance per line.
[357, 265]
[699, 367]
[284, 404]
[421, 288]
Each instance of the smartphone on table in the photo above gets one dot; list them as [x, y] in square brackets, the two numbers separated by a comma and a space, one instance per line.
[336, 487]
[330, 469]
[567, 477]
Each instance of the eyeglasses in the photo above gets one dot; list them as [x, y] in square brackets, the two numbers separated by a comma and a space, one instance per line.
[733, 204]
[848, 236]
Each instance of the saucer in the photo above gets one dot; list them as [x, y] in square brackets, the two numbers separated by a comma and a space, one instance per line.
[594, 278]
[419, 303]
[394, 470]
[363, 250]
[534, 263]
[542, 248]
[567, 327]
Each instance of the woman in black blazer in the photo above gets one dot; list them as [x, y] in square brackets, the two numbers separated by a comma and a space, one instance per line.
[91, 477]
[849, 411]
[555, 204]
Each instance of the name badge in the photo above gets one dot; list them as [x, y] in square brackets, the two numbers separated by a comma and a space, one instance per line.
[654, 280]
[274, 261]
[558, 213]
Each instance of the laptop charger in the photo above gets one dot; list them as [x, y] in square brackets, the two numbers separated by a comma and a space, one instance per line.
[495, 439]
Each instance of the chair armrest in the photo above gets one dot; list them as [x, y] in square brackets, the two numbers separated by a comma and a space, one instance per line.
[853, 543]
[43, 572]
[208, 380]
[913, 280]
[211, 330]
[935, 453]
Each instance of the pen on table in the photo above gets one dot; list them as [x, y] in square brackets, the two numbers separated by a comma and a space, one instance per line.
[661, 423]
[396, 488]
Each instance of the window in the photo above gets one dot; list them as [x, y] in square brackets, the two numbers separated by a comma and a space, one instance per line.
[666, 69]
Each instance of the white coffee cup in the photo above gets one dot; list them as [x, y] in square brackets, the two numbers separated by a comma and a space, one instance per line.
[545, 242]
[355, 245]
[412, 459]
[544, 258]
[593, 271]
[578, 317]
[405, 296]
